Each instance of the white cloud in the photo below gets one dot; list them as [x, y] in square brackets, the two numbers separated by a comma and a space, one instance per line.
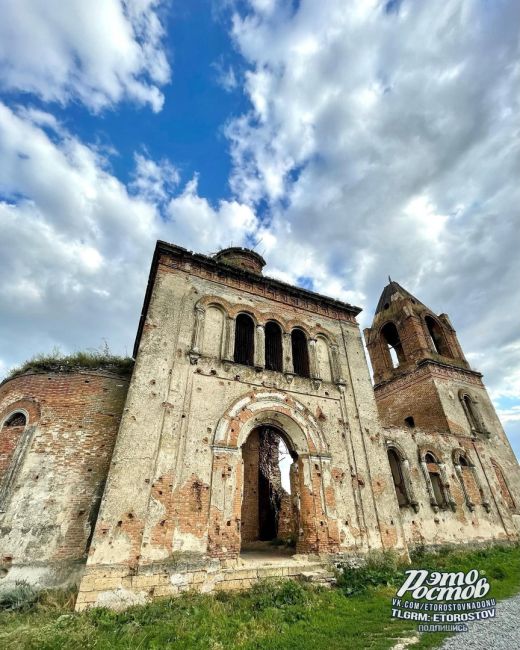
[200, 226]
[384, 138]
[76, 243]
[154, 180]
[100, 51]
[225, 75]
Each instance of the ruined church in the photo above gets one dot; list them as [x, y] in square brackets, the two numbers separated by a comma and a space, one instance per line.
[249, 442]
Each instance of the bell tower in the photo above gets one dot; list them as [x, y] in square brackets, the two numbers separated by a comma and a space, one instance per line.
[421, 376]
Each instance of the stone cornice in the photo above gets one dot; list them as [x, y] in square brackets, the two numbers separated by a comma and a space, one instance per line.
[428, 368]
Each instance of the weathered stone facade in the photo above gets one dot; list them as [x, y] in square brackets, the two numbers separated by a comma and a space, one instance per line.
[225, 355]
[434, 407]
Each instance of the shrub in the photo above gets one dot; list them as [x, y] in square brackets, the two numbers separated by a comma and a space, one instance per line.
[379, 569]
[21, 597]
[278, 595]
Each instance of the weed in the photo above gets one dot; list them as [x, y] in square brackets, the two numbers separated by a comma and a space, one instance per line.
[21, 597]
[379, 569]
[83, 360]
[282, 615]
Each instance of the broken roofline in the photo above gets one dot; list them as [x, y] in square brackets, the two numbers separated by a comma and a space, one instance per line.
[177, 251]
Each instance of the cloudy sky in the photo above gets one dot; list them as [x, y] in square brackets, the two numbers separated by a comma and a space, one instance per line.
[346, 140]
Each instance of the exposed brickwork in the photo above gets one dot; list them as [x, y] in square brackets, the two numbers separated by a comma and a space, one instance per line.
[504, 488]
[250, 519]
[184, 491]
[73, 420]
[429, 387]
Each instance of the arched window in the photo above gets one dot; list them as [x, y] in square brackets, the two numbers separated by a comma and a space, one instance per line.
[13, 442]
[434, 474]
[213, 332]
[244, 340]
[273, 347]
[504, 489]
[323, 359]
[437, 340]
[17, 419]
[410, 422]
[398, 478]
[300, 353]
[465, 470]
[393, 344]
[470, 411]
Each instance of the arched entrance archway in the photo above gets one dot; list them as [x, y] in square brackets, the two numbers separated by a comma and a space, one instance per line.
[270, 502]
[317, 521]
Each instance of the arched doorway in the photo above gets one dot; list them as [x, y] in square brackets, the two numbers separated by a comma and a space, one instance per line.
[270, 512]
[312, 490]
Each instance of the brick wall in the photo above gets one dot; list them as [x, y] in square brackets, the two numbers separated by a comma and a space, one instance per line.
[54, 495]
[250, 519]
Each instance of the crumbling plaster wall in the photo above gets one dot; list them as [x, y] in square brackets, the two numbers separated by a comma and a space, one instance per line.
[51, 505]
[424, 526]
[169, 485]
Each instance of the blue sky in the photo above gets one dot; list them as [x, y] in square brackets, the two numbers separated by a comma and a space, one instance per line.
[348, 141]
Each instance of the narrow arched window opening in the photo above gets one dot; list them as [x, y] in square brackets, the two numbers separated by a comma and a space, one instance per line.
[398, 478]
[273, 347]
[16, 420]
[244, 340]
[300, 353]
[504, 488]
[393, 344]
[437, 340]
[469, 409]
[434, 474]
[410, 422]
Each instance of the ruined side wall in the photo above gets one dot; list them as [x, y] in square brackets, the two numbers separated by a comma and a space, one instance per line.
[490, 520]
[185, 494]
[52, 501]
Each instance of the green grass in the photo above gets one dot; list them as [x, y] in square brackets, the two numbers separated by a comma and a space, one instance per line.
[83, 360]
[282, 616]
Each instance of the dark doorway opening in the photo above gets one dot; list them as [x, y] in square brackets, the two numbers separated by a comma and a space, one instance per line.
[269, 502]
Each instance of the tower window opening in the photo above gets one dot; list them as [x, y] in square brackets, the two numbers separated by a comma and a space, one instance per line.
[244, 340]
[393, 344]
[469, 409]
[300, 353]
[273, 347]
[410, 422]
[437, 341]
[397, 476]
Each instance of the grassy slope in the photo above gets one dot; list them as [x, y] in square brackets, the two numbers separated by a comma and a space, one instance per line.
[285, 616]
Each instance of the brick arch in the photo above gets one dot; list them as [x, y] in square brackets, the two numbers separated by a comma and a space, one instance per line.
[270, 407]
[298, 324]
[14, 443]
[325, 334]
[318, 526]
[214, 301]
[269, 316]
[440, 325]
[430, 449]
[392, 444]
[458, 452]
[29, 407]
